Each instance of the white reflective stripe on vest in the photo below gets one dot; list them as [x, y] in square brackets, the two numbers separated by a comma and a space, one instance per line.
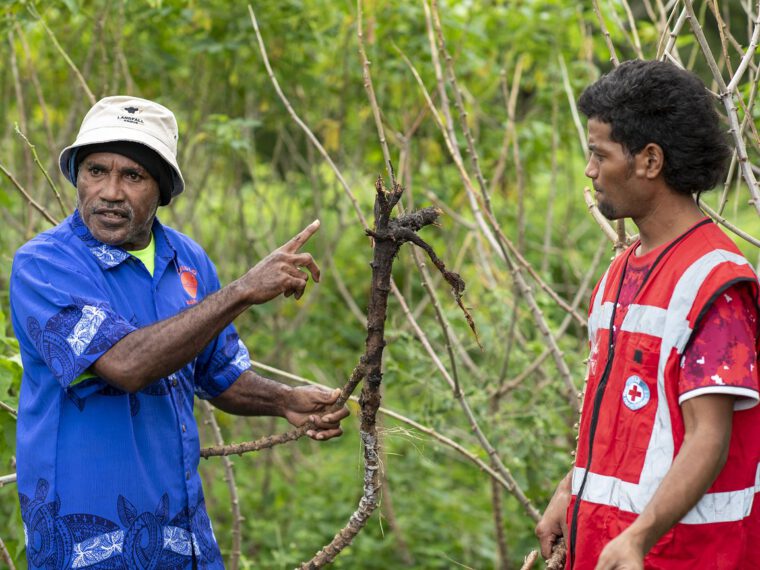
[599, 318]
[729, 506]
[672, 326]
[645, 319]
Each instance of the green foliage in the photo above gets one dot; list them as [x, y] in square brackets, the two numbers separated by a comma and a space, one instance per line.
[10, 383]
[254, 180]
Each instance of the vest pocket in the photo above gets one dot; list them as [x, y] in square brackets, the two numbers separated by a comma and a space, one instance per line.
[632, 394]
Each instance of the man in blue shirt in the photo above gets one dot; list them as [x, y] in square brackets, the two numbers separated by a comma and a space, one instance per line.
[121, 322]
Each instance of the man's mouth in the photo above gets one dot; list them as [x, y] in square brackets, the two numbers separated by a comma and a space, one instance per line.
[112, 215]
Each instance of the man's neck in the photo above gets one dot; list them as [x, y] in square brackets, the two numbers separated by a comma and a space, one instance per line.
[667, 220]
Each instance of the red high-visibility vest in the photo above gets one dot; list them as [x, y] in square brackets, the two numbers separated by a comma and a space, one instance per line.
[639, 426]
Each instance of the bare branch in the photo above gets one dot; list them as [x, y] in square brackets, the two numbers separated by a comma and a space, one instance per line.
[748, 55]
[8, 409]
[602, 26]
[573, 105]
[634, 31]
[300, 122]
[5, 556]
[530, 560]
[607, 229]
[53, 187]
[541, 323]
[31, 201]
[728, 225]
[67, 59]
[229, 477]
[662, 52]
[371, 94]
[726, 97]
[7, 479]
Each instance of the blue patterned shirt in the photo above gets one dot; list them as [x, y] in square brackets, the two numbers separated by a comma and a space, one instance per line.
[109, 479]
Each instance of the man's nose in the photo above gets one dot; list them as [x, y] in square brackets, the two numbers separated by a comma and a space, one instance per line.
[111, 189]
[591, 169]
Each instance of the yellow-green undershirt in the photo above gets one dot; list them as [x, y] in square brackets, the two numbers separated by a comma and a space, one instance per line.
[147, 256]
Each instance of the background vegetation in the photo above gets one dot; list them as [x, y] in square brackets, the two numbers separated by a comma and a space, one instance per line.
[254, 178]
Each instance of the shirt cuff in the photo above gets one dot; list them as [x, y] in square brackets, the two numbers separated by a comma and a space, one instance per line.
[746, 398]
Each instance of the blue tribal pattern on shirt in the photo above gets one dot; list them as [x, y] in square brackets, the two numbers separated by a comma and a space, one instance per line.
[138, 540]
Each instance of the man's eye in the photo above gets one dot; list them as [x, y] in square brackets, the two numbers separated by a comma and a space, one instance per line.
[134, 176]
[95, 170]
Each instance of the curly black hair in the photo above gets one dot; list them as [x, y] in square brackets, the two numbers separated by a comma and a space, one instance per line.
[657, 102]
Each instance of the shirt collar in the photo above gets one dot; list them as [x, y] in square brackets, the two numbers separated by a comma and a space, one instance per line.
[109, 256]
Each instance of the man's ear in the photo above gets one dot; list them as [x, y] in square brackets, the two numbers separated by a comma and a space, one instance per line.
[650, 161]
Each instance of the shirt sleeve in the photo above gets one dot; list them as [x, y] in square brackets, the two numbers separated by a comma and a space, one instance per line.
[62, 316]
[223, 360]
[721, 357]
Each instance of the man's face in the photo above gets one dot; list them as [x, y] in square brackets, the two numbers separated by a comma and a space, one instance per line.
[117, 199]
[611, 171]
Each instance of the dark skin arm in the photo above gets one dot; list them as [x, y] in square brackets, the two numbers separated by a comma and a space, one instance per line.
[254, 395]
[168, 345]
[707, 421]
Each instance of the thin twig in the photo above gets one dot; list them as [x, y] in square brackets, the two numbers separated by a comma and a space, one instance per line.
[37, 86]
[548, 230]
[67, 59]
[21, 108]
[7, 479]
[41, 209]
[530, 560]
[5, 556]
[665, 48]
[579, 297]
[748, 55]
[510, 101]
[728, 225]
[8, 409]
[53, 187]
[300, 122]
[620, 240]
[229, 477]
[607, 229]
[500, 244]
[634, 31]
[605, 32]
[726, 97]
[573, 105]
[371, 94]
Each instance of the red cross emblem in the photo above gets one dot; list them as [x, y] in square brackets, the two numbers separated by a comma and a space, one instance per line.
[635, 393]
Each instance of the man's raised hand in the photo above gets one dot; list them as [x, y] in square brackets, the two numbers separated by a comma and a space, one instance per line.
[279, 273]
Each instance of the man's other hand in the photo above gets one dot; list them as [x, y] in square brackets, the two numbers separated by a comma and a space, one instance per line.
[621, 553]
[553, 524]
[308, 403]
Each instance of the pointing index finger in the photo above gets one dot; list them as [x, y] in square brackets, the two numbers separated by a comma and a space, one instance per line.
[301, 237]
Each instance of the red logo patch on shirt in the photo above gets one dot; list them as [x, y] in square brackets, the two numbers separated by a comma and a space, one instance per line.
[189, 282]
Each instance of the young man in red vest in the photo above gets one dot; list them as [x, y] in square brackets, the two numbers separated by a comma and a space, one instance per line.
[667, 468]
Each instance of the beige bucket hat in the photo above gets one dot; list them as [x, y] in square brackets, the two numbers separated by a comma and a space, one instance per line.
[125, 118]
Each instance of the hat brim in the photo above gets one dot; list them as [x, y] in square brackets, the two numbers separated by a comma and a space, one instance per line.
[122, 133]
